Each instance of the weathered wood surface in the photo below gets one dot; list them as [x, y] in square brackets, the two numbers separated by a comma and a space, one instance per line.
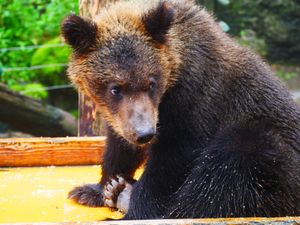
[26, 152]
[34, 117]
[236, 221]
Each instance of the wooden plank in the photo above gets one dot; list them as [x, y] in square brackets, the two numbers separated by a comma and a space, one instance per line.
[39, 194]
[26, 152]
[230, 221]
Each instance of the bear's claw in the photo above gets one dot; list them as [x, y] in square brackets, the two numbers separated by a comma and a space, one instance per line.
[117, 194]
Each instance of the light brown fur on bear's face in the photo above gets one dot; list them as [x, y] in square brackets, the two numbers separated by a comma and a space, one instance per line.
[121, 68]
[118, 67]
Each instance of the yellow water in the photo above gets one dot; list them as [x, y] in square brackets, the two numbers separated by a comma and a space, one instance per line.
[40, 195]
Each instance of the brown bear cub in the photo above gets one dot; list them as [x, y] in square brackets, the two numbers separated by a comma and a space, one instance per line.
[221, 134]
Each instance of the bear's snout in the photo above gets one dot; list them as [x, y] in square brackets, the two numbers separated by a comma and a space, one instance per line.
[142, 127]
[138, 119]
[144, 136]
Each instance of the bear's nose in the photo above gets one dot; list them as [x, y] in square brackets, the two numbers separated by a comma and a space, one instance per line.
[145, 136]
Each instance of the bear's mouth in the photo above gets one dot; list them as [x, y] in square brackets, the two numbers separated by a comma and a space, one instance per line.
[141, 142]
[145, 136]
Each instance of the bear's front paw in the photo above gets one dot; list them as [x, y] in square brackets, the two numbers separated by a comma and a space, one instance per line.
[89, 195]
[117, 194]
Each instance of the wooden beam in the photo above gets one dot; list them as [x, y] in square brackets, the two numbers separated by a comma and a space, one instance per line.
[230, 221]
[26, 152]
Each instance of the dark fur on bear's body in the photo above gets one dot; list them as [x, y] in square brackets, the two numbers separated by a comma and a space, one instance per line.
[228, 142]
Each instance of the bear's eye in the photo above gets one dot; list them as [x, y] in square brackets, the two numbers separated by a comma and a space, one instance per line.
[115, 90]
[152, 84]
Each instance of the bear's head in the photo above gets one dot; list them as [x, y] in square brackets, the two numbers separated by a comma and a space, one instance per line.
[123, 61]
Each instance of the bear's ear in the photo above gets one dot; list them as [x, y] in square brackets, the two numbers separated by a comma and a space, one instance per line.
[159, 20]
[78, 32]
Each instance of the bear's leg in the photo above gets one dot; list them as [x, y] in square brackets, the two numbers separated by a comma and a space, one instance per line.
[120, 159]
[165, 172]
[246, 172]
[144, 204]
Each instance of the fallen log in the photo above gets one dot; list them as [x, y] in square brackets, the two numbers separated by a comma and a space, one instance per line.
[34, 117]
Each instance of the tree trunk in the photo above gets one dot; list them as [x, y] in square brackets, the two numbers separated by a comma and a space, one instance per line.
[89, 119]
[90, 8]
[34, 117]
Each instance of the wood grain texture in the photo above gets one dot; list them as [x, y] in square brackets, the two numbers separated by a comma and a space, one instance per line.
[26, 152]
[231, 221]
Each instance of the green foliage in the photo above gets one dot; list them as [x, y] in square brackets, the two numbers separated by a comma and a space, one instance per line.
[285, 72]
[210, 5]
[271, 27]
[274, 21]
[75, 113]
[55, 55]
[35, 90]
[249, 38]
[33, 22]
[224, 2]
